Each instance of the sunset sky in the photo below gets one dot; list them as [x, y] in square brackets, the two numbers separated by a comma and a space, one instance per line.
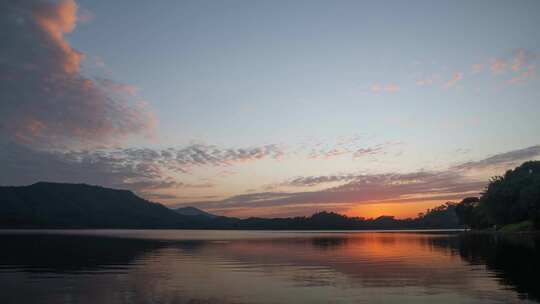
[271, 108]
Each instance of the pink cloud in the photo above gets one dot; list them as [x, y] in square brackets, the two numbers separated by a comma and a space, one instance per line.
[454, 80]
[425, 82]
[46, 100]
[453, 183]
[390, 88]
[328, 154]
[477, 67]
[518, 61]
[498, 65]
[57, 20]
[524, 76]
[376, 88]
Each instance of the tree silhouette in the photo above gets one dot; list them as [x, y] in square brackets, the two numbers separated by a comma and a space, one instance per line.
[508, 199]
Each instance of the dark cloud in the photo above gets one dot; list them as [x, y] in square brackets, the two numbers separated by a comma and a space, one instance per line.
[151, 162]
[309, 181]
[46, 101]
[147, 171]
[22, 165]
[379, 149]
[451, 184]
[506, 159]
[363, 188]
[201, 155]
[143, 170]
[350, 148]
[369, 180]
[328, 153]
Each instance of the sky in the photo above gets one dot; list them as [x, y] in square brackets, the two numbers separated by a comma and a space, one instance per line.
[271, 108]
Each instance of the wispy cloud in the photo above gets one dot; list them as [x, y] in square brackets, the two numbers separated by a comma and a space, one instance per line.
[426, 81]
[449, 184]
[310, 181]
[505, 160]
[150, 170]
[374, 150]
[379, 88]
[353, 150]
[328, 153]
[457, 77]
[519, 64]
[140, 169]
[395, 187]
[179, 159]
[524, 76]
[519, 61]
[477, 67]
[498, 65]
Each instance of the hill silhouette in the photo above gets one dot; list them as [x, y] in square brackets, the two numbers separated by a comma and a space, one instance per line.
[192, 211]
[60, 205]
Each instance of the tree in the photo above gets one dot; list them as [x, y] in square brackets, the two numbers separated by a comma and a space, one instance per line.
[514, 197]
[443, 216]
[465, 211]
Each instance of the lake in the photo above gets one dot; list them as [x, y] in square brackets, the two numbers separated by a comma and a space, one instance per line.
[186, 266]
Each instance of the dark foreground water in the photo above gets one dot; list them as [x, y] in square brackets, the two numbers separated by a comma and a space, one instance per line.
[176, 266]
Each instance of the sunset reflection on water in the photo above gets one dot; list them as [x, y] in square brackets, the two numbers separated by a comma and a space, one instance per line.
[261, 267]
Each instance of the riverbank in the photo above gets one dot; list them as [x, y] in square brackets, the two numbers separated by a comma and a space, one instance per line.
[526, 227]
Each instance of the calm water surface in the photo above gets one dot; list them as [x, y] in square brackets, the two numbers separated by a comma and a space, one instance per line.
[179, 266]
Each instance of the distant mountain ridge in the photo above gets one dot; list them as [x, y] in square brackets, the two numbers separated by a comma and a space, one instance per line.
[192, 211]
[60, 205]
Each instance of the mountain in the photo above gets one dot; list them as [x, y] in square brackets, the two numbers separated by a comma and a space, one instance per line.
[59, 205]
[192, 211]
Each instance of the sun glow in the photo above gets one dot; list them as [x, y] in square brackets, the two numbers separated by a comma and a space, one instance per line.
[396, 209]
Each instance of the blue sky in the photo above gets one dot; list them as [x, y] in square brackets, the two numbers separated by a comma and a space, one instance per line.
[214, 70]
[311, 88]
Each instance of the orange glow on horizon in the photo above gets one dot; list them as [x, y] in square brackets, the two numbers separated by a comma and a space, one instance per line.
[397, 209]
